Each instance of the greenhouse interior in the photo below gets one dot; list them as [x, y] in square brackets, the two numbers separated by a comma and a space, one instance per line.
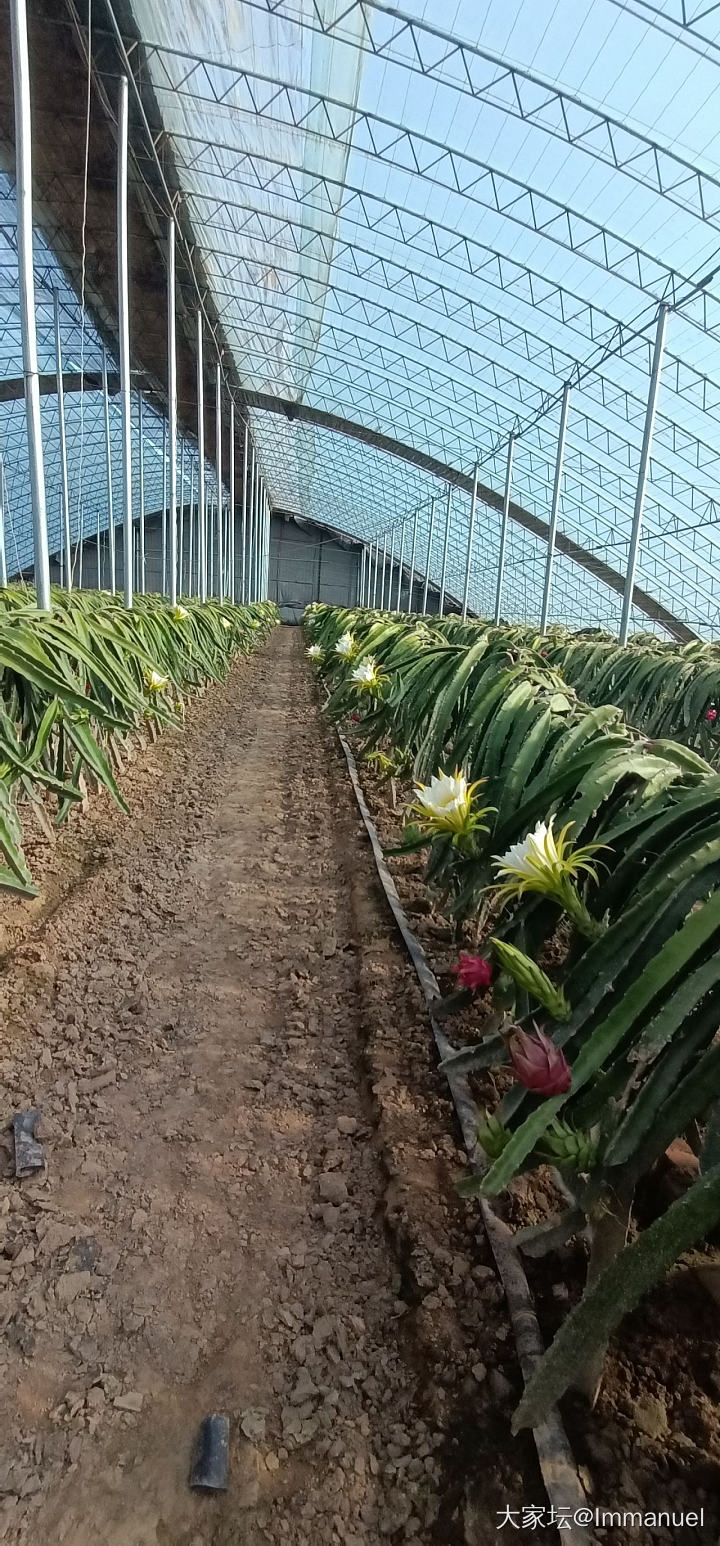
[360, 773]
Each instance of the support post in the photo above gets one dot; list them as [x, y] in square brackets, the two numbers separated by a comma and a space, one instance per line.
[375, 573]
[163, 586]
[64, 486]
[504, 529]
[172, 409]
[202, 560]
[124, 337]
[108, 469]
[557, 486]
[471, 539]
[382, 582]
[218, 465]
[446, 544]
[392, 566]
[428, 558]
[267, 546]
[3, 556]
[231, 526]
[253, 530]
[141, 459]
[412, 561]
[258, 532]
[26, 275]
[243, 555]
[181, 519]
[400, 567]
[191, 525]
[643, 470]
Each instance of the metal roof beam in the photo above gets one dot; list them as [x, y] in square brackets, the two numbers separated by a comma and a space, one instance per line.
[464, 481]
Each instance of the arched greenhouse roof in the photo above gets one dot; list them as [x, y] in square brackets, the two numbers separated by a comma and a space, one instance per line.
[411, 231]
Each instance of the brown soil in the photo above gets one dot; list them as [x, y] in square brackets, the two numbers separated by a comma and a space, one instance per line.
[653, 1440]
[248, 1206]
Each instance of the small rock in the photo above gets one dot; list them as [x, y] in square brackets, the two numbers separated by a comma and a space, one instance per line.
[252, 1424]
[650, 1415]
[71, 1284]
[132, 1401]
[272, 1462]
[305, 1389]
[322, 1330]
[332, 1188]
[96, 1398]
[479, 1372]
[348, 1126]
[330, 1217]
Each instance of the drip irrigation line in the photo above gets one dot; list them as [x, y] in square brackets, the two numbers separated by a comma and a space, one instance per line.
[557, 1463]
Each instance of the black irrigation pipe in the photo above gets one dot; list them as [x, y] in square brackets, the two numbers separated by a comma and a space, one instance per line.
[557, 1463]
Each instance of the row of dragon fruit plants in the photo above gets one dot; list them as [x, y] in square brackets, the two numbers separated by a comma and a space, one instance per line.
[664, 688]
[80, 683]
[583, 860]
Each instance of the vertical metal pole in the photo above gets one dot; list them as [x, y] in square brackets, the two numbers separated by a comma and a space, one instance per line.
[181, 520]
[251, 529]
[64, 487]
[191, 525]
[108, 466]
[471, 538]
[375, 573]
[141, 437]
[218, 463]
[428, 558]
[411, 581]
[504, 528]
[392, 567]
[267, 546]
[557, 486]
[262, 534]
[446, 543]
[23, 195]
[258, 530]
[202, 560]
[163, 587]
[231, 533]
[382, 580]
[211, 543]
[243, 554]
[3, 558]
[261, 585]
[360, 588]
[124, 336]
[643, 470]
[172, 409]
[400, 567]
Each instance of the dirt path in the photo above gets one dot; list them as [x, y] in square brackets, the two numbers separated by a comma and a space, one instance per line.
[211, 1234]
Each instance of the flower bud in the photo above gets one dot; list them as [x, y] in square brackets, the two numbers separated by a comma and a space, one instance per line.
[528, 975]
[539, 1064]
